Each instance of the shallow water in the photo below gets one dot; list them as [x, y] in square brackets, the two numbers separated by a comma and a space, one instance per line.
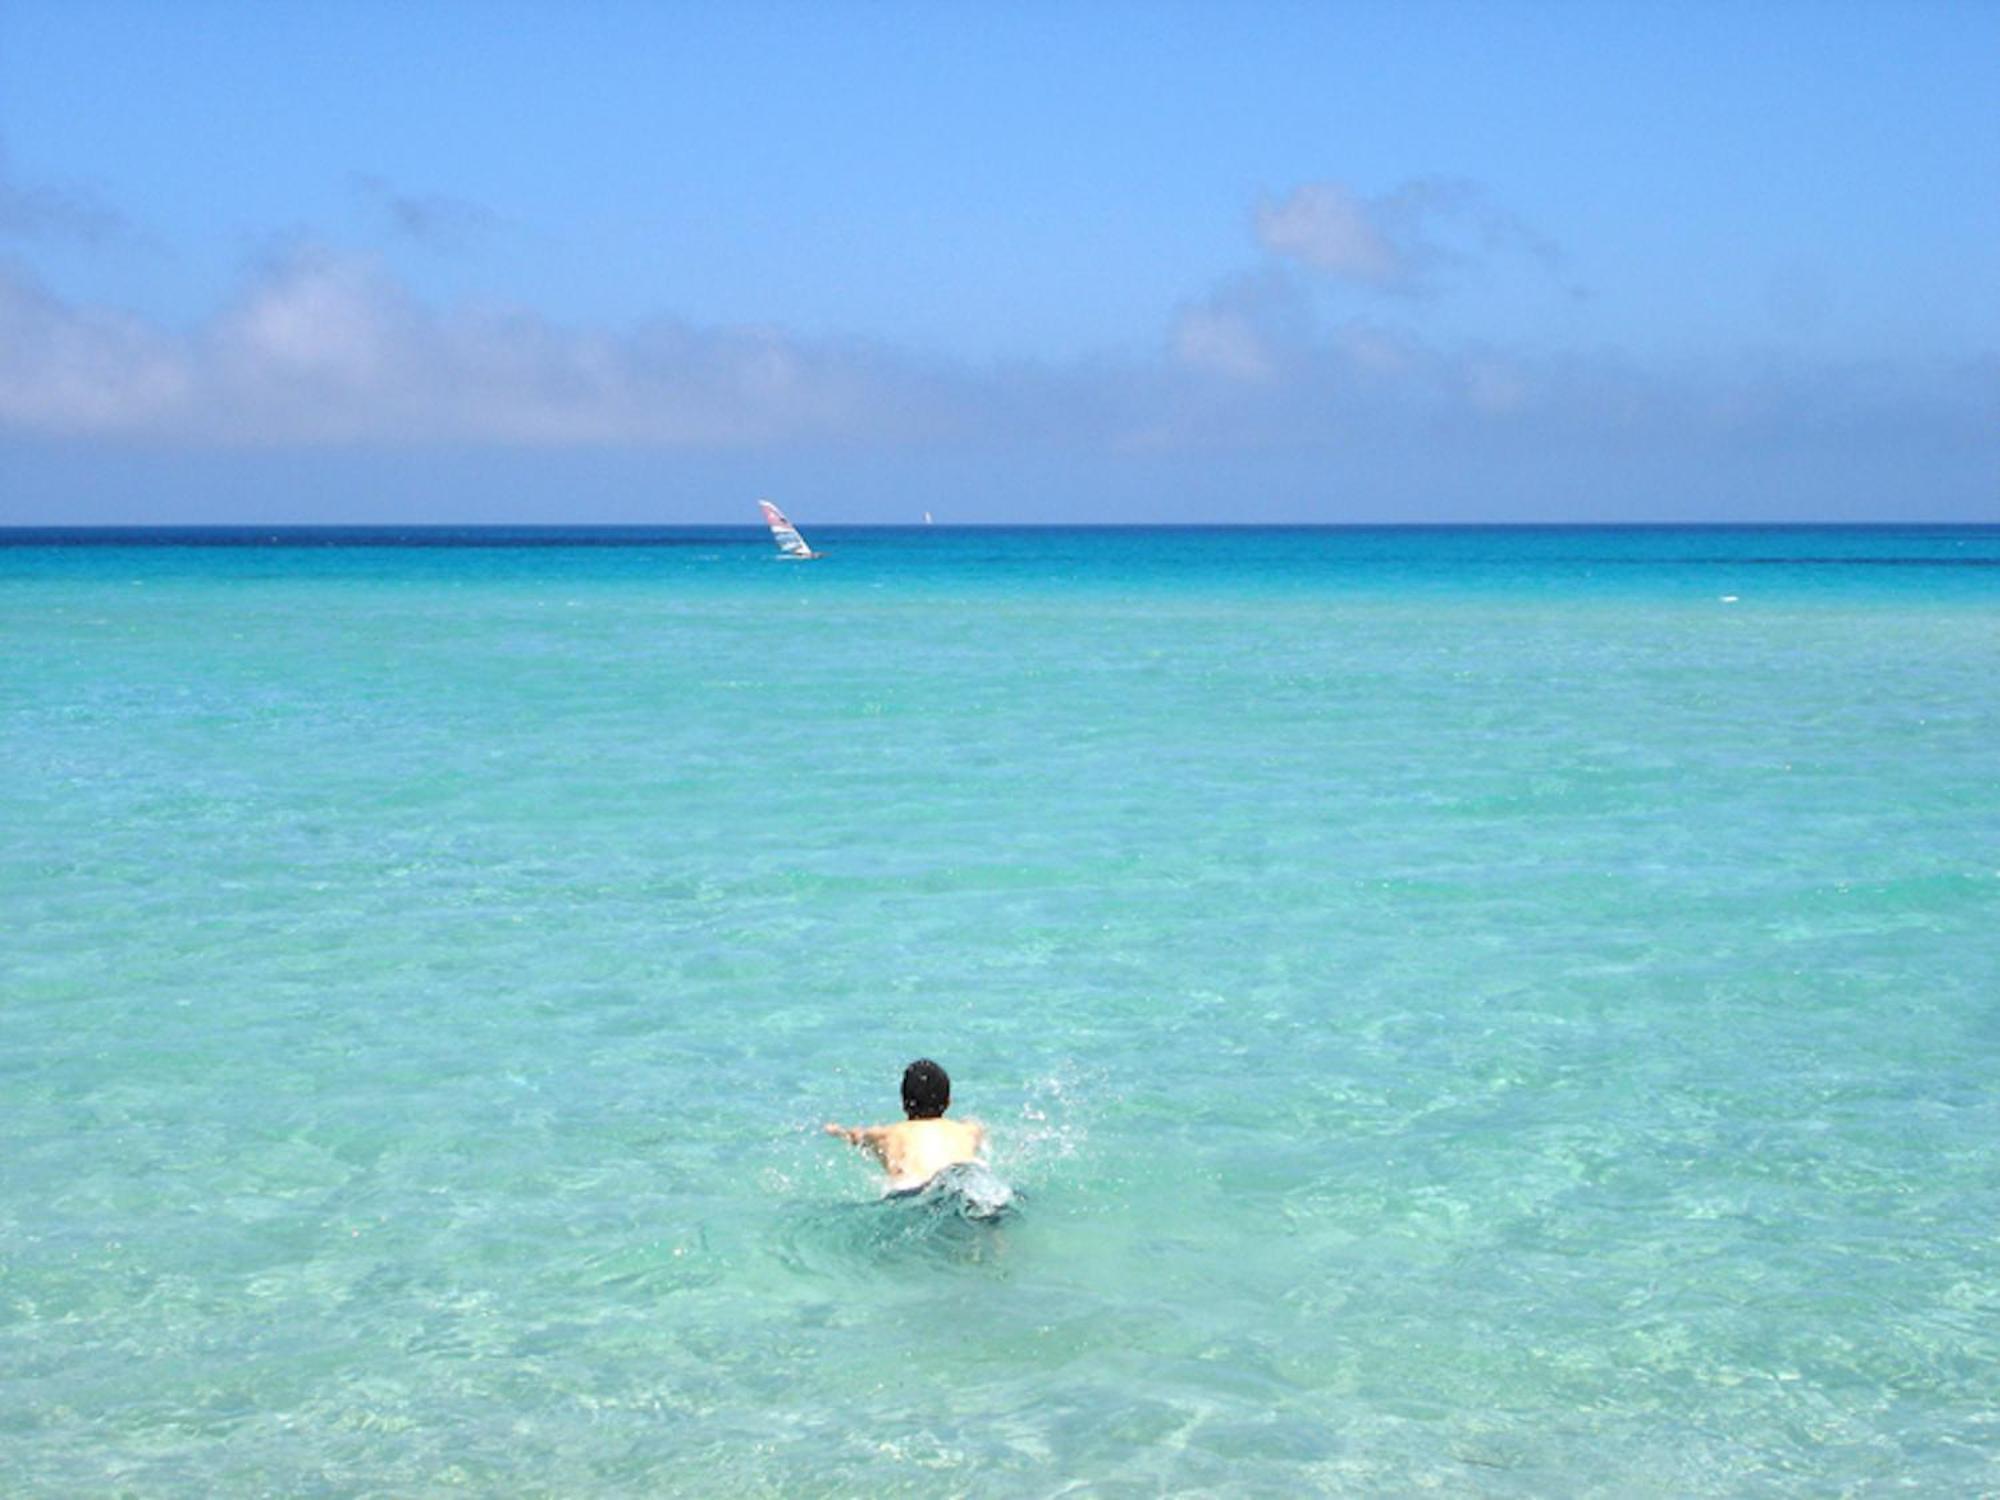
[1495, 1012]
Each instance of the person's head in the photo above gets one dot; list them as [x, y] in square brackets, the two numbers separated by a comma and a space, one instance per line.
[926, 1090]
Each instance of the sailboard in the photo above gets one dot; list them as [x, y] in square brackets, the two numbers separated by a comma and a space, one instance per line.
[791, 546]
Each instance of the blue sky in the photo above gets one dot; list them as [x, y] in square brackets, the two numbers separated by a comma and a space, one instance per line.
[1090, 262]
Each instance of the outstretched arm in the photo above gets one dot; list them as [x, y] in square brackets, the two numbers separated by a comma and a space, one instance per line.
[869, 1137]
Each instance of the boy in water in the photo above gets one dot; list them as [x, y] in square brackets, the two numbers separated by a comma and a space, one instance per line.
[915, 1150]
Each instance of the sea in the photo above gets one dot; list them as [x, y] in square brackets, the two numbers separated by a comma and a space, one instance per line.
[1465, 1012]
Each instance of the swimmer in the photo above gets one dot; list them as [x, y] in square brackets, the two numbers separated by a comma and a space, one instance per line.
[915, 1150]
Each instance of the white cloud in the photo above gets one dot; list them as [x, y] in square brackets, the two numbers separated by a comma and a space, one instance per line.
[321, 349]
[1401, 241]
[1253, 329]
[317, 319]
[1325, 226]
[1222, 343]
[67, 372]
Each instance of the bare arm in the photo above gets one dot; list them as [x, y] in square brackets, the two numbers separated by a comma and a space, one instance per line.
[870, 1138]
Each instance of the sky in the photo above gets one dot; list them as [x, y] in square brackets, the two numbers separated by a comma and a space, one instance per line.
[1087, 262]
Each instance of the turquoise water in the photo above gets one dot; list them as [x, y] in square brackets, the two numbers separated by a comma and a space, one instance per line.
[1482, 1012]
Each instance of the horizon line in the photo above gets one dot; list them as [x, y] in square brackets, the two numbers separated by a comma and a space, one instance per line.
[757, 528]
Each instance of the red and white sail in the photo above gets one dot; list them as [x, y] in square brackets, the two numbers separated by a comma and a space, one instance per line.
[784, 533]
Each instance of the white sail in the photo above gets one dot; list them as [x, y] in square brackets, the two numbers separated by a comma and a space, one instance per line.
[784, 533]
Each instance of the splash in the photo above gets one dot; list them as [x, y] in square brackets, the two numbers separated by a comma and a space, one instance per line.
[1050, 1126]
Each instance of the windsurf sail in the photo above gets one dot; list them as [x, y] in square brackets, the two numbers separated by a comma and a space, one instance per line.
[784, 533]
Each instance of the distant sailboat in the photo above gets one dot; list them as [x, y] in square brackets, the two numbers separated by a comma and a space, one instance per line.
[791, 546]
[927, 519]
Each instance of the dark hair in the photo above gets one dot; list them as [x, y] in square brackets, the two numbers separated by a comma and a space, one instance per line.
[926, 1090]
